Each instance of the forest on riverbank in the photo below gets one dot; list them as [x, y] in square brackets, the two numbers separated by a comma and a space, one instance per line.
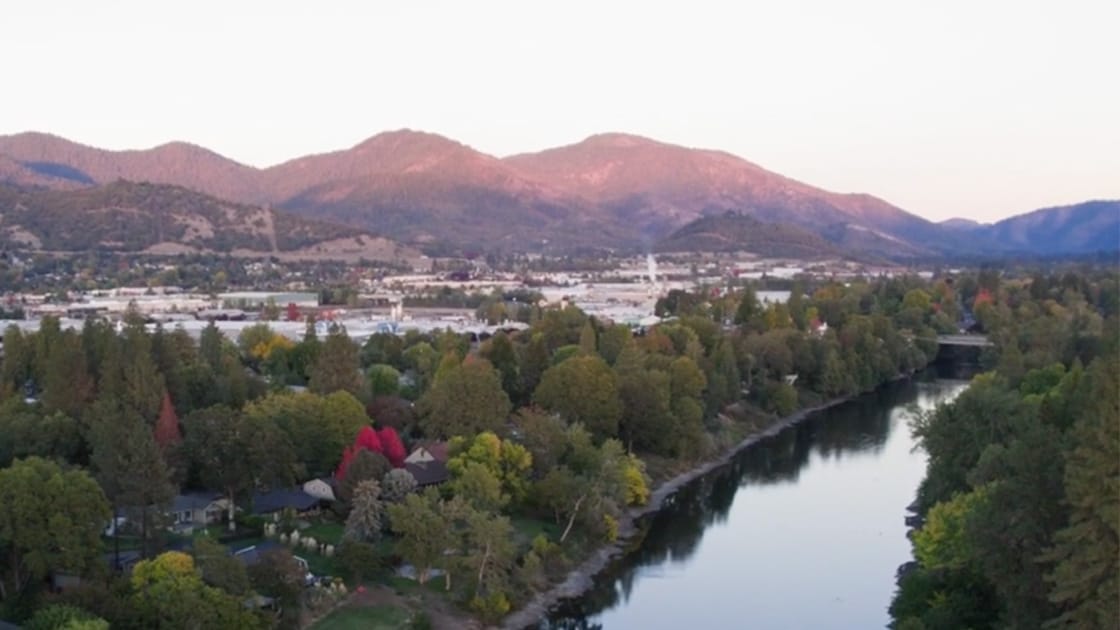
[1021, 501]
[550, 435]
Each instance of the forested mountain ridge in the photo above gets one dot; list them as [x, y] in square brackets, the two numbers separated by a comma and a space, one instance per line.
[165, 219]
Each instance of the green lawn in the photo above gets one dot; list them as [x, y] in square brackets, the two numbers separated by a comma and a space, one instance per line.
[372, 618]
[325, 532]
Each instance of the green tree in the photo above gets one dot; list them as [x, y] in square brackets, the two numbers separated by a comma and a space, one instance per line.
[384, 380]
[64, 617]
[366, 466]
[748, 307]
[424, 524]
[544, 435]
[317, 427]
[588, 340]
[336, 366]
[1085, 553]
[219, 568]
[582, 390]
[366, 512]
[170, 594]
[234, 451]
[533, 361]
[279, 575]
[51, 521]
[67, 385]
[507, 462]
[467, 400]
[129, 467]
[499, 351]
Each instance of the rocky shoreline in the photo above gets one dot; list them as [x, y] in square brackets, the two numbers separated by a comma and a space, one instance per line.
[581, 578]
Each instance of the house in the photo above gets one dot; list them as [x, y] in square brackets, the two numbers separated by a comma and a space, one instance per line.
[427, 473]
[428, 463]
[275, 501]
[429, 452]
[197, 509]
[321, 488]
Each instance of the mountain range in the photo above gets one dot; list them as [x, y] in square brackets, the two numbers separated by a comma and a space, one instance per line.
[609, 191]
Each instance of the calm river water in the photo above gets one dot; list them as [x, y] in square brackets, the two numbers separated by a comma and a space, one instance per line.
[802, 530]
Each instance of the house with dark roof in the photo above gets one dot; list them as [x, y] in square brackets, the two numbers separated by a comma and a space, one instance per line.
[428, 473]
[197, 509]
[281, 499]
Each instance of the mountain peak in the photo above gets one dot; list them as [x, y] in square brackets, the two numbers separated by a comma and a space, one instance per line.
[618, 140]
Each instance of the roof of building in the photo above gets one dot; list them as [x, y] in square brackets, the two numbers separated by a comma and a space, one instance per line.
[194, 500]
[428, 473]
[252, 555]
[276, 500]
[439, 450]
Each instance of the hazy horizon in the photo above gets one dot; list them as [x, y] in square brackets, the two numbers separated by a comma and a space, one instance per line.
[950, 110]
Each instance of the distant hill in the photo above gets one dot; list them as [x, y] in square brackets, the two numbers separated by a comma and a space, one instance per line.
[609, 191]
[164, 219]
[659, 187]
[734, 232]
[1087, 227]
[957, 223]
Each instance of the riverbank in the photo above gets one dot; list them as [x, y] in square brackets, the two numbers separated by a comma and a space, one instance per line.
[581, 578]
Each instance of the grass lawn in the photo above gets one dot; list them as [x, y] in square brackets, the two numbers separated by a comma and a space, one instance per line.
[382, 617]
[325, 532]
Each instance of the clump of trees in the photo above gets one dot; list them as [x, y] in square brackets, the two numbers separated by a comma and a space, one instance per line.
[1020, 503]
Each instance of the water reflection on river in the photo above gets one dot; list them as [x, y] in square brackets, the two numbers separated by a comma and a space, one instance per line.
[803, 530]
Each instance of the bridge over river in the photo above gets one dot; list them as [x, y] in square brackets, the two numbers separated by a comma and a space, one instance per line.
[976, 341]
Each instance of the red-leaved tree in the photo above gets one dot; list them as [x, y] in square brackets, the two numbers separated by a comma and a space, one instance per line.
[167, 433]
[393, 447]
[387, 443]
[369, 440]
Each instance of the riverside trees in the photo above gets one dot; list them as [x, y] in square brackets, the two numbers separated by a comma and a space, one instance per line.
[551, 429]
[1020, 502]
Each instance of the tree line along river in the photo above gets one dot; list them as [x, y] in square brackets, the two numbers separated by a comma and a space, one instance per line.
[804, 529]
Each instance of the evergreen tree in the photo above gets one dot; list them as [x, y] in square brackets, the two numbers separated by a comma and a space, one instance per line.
[587, 339]
[366, 512]
[128, 465]
[67, 385]
[336, 366]
[1085, 554]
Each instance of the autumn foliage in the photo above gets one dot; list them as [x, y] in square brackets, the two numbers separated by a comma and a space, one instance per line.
[167, 432]
[386, 442]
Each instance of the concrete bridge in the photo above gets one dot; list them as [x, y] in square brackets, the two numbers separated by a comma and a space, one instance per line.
[976, 341]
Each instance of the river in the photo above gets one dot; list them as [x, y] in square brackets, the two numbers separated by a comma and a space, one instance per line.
[802, 530]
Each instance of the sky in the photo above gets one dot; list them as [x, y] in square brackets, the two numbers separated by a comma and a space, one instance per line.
[978, 109]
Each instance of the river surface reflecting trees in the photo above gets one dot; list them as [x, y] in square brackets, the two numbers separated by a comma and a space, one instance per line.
[802, 530]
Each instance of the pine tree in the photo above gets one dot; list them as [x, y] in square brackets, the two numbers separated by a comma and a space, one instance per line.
[587, 339]
[1085, 553]
[367, 512]
[67, 385]
[128, 465]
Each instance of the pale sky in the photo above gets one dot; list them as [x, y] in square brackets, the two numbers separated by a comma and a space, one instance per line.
[974, 108]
